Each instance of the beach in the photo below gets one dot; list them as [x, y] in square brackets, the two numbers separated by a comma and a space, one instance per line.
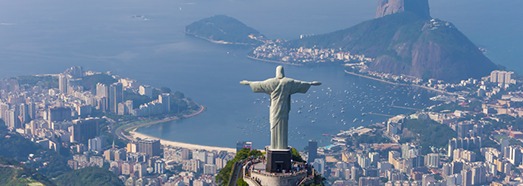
[164, 142]
[133, 134]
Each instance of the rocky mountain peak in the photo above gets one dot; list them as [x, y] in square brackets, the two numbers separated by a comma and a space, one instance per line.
[418, 7]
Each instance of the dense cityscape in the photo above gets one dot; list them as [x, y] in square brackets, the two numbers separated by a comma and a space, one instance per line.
[468, 138]
[77, 111]
[475, 141]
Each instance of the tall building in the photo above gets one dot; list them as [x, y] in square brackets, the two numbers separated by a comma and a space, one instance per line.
[102, 97]
[102, 104]
[159, 167]
[12, 121]
[122, 110]
[209, 169]
[479, 174]
[62, 83]
[186, 154]
[126, 168]
[120, 155]
[363, 161]
[95, 144]
[84, 129]
[140, 169]
[312, 151]
[132, 147]
[58, 114]
[32, 110]
[150, 147]
[4, 107]
[102, 90]
[24, 114]
[210, 158]
[128, 106]
[408, 151]
[502, 78]
[200, 155]
[504, 144]
[369, 181]
[319, 165]
[514, 155]
[145, 90]
[115, 96]
[432, 160]
[165, 100]
[374, 157]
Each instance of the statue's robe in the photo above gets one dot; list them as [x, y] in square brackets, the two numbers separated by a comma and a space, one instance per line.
[280, 90]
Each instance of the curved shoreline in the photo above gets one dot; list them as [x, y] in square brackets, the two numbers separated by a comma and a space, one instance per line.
[133, 135]
[273, 61]
[399, 84]
[190, 146]
[220, 42]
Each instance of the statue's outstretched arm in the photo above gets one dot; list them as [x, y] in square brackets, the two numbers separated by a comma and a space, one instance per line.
[260, 86]
[315, 83]
[245, 82]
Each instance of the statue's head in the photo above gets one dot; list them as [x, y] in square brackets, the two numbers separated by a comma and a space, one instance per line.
[279, 72]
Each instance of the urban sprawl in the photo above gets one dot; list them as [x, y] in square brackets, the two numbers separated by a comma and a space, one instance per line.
[474, 129]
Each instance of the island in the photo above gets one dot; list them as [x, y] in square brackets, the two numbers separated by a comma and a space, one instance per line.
[222, 29]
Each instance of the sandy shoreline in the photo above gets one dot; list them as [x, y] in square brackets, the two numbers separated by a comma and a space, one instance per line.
[164, 142]
[133, 135]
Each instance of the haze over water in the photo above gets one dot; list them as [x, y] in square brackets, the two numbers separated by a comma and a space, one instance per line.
[48, 36]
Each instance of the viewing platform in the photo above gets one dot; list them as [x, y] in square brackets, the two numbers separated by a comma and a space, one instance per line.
[254, 173]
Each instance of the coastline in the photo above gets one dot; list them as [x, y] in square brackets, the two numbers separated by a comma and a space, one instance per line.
[399, 84]
[373, 78]
[131, 128]
[220, 42]
[273, 61]
[190, 146]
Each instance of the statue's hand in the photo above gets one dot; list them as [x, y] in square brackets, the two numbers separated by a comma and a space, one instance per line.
[245, 82]
[316, 83]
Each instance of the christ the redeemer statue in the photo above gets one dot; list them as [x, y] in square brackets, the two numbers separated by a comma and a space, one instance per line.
[280, 88]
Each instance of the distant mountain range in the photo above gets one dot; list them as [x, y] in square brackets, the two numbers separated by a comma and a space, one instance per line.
[403, 39]
[222, 29]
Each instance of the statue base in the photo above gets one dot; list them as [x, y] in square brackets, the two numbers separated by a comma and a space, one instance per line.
[278, 160]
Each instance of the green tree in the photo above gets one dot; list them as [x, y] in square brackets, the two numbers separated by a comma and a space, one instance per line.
[89, 176]
[427, 131]
[223, 176]
[241, 182]
[296, 155]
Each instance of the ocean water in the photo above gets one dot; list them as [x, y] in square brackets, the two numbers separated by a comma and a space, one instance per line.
[144, 40]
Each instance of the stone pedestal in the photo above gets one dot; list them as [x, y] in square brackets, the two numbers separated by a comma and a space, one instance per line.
[278, 160]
